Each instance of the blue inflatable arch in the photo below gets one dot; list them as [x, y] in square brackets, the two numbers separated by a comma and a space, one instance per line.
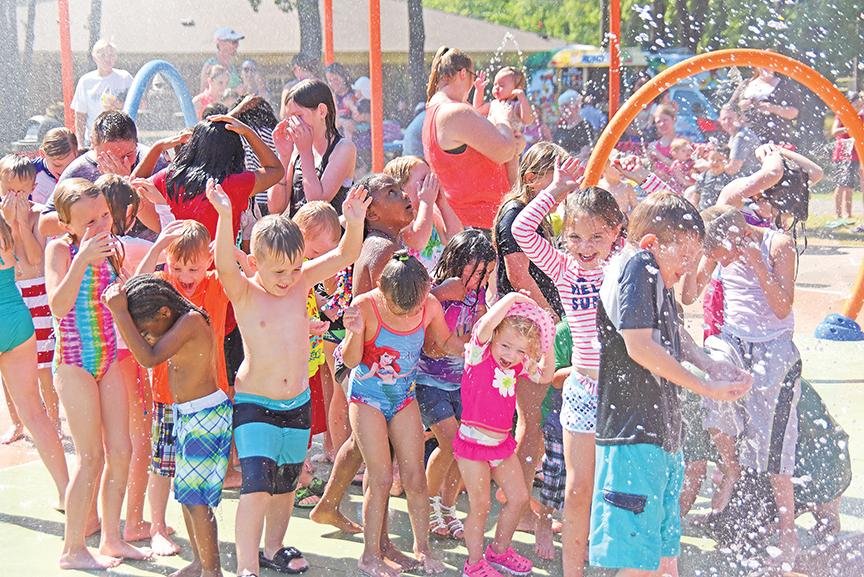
[142, 81]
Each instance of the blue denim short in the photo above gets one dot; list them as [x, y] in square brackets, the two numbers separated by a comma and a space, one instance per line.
[437, 404]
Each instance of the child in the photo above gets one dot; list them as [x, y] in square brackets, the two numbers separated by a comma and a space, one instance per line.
[459, 282]
[708, 186]
[508, 92]
[160, 326]
[217, 83]
[682, 166]
[386, 329]
[272, 387]
[507, 342]
[59, 148]
[621, 188]
[18, 356]
[757, 271]
[427, 235]
[186, 248]
[592, 225]
[635, 524]
[79, 266]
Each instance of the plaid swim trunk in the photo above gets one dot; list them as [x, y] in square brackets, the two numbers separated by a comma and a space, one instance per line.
[162, 440]
[203, 445]
[554, 473]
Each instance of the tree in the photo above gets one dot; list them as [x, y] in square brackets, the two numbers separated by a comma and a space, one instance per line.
[94, 21]
[416, 51]
[309, 17]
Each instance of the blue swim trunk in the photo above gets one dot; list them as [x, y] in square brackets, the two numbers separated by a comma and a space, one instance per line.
[203, 429]
[635, 516]
[272, 438]
[437, 404]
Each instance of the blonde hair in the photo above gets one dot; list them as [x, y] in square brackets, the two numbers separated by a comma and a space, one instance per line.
[17, 165]
[722, 223]
[101, 45]
[277, 235]
[318, 215]
[520, 82]
[59, 142]
[194, 239]
[446, 64]
[526, 328]
[678, 143]
[400, 168]
[70, 191]
[667, 216]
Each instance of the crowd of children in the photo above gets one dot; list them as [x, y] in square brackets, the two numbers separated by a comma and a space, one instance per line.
[365, 311]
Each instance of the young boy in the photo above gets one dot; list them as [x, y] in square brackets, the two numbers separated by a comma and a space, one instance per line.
[271, 405]
[712, 177]
[757, 271]
[186, 245]
[635, 524]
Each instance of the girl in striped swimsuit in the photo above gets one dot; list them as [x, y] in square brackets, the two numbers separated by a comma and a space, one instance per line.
[78, 268]
[592, 226]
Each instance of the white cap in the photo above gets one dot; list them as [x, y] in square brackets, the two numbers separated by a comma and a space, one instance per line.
[227, 33]
[364, 86]
[569, 97]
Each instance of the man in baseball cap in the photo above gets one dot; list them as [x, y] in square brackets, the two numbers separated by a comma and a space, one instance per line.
[227, 40]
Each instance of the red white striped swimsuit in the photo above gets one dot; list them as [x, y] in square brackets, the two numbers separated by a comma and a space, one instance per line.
[36, 298]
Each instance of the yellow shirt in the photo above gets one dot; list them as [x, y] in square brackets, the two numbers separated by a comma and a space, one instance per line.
[316, 343]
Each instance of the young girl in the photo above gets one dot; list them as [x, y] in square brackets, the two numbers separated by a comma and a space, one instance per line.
[217, 83]
[78, 268]
[435, 222]
[460, 281]
[592, 224]
[318, 161]
[160, 325]
[386, 328]
[506, 343]
[660, 150]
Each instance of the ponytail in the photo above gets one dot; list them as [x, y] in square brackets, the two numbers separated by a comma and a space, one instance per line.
[446, 63]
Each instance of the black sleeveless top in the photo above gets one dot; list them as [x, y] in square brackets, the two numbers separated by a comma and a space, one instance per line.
[298, 196]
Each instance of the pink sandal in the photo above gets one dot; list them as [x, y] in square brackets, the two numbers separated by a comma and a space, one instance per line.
[481, 568]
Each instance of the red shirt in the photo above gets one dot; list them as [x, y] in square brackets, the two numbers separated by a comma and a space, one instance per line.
[238, 187]
[472, 183]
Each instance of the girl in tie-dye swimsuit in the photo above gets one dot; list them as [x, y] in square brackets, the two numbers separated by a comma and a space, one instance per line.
[78, 268]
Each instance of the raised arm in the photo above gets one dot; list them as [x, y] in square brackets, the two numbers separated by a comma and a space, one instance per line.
[487, 324]
[327, 265]
[694, 283]
[165, 238]
[452, 224]
[271, 171]
[233, 281]
[769, 174]
[416, 235]
[145, 168]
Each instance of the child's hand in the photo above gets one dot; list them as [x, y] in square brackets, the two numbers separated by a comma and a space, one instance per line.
[631, 167]
[355, 205]
[317, 327]
[114, 297]
[429, 189]
[172, 231]
[22, 210]
[282, 140]
[110, 163]
[9, 208]
[231, 124]
[95, 247]
[217, 197]
[148, 191]
[175, 141]
[567, 175]
[728, 390]
[480, 81]
[352, 320]
[300, 134]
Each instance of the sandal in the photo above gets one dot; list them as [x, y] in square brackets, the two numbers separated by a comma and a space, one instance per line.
[304, 498]
[282, 559]
[437, 525]
[455, 528]
[317, 486]
[509, 561]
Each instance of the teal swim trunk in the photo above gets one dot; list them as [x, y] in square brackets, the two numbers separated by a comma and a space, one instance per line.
[635, 516]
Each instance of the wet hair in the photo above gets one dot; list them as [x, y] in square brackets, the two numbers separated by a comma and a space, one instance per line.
[446, 64]
[7, 242]
[193, 241]
[213, 151]
[68, 192]
[667, 216]
[318, 215]
[472, 245]
[308, 62]
[400, 168]
[216, 71]
[59, 142]
[214, 109]
[340, 71]
[404, 281]
[146, 294]
[722, 223]
[311, 94]
[279, 236]
[538, 160]
[519, 76]
[258, 114]
[120, 197]
[594, 202]
[16, 165]
[113, 126]
[524, 327]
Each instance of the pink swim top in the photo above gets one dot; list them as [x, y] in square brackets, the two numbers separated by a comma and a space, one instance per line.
[488, 391]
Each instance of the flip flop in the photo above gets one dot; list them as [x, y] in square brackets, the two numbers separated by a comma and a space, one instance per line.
[281, 560]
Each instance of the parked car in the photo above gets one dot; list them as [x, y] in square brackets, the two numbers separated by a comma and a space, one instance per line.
[697, 116]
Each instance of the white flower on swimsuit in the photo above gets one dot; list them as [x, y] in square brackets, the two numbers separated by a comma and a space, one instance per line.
[473, 353]
[505, 382]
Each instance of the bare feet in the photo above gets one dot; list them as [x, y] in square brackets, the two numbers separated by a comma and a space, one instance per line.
[334, 517]
[233, 479]
[544, 547]
[389, 550]
[528, 524]
[94, 525]
[87, 559]
[376, 567]
[136, 532]
[725, 487]
[193, 569]
[162, 545]
[430, 564]
[124, 550]
[12, 434]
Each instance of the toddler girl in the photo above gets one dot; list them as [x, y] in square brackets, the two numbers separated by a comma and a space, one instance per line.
[505, 344]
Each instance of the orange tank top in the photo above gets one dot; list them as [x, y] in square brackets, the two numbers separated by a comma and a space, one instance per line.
[472, 183]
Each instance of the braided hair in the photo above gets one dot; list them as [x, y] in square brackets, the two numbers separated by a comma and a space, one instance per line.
[146, 294]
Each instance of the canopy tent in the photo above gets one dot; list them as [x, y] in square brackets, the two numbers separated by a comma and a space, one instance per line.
[587, 56]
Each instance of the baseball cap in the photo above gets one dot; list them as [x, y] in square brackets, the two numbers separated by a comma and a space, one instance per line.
[364, 86]
[569, 97]
[227, 33]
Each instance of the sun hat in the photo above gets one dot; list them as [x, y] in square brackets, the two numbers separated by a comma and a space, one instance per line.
[541, 318]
